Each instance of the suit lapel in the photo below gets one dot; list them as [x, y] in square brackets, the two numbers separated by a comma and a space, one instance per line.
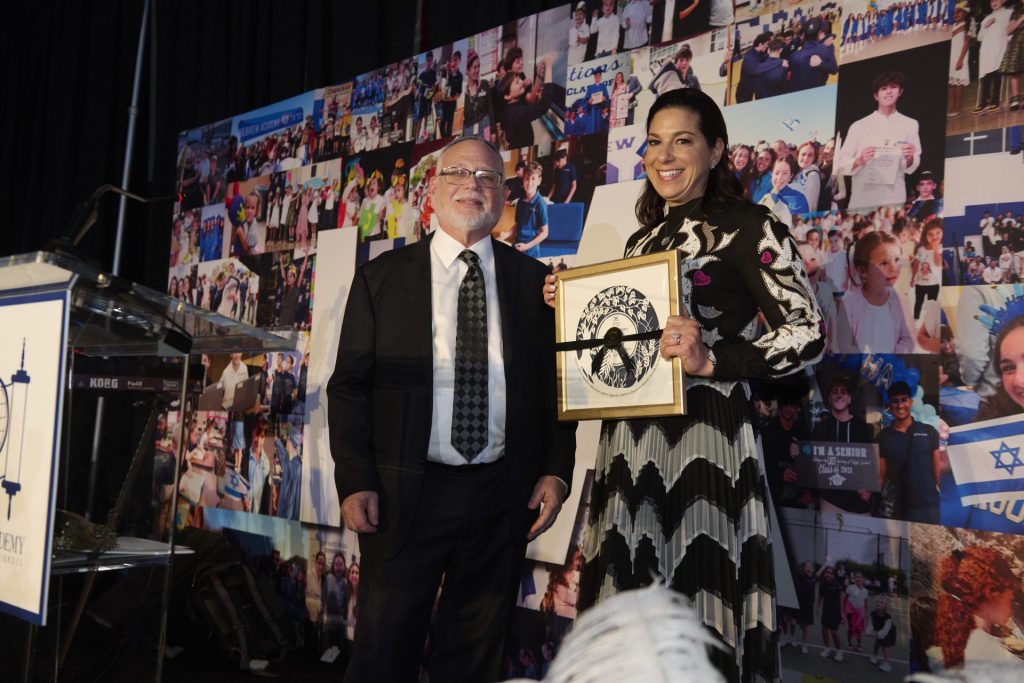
[419, 311]
[507, 274]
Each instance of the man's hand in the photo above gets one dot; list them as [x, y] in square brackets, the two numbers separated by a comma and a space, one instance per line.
[550, 289]
[551, 492]
[359, 512]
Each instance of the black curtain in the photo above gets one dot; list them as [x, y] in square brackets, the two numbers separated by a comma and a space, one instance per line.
[67, 79]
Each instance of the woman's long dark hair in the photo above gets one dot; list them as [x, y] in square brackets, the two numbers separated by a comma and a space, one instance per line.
[1000, 404]
[723, 186]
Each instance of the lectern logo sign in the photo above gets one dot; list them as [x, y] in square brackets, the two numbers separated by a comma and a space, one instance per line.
[33, 356]
[13, 402]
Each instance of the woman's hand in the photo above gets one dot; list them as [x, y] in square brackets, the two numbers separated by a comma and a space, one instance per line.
[681, 339]
[550, 289]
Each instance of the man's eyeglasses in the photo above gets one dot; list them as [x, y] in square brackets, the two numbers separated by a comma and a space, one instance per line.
[460, 176]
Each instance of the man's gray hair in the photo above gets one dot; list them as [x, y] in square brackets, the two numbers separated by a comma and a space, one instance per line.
[466, 138]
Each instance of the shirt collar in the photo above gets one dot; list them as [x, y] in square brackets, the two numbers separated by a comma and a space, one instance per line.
[447, 248]
[887, 117]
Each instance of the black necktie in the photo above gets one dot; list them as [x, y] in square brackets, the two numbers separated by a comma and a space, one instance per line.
[469, 407]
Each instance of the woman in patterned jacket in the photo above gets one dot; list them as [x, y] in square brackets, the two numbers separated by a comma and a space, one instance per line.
[684, 498]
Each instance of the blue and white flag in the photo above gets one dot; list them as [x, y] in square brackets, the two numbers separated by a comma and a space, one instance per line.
[988, 460]
[234, 485]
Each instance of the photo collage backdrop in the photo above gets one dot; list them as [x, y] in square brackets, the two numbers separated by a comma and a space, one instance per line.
[886, 134]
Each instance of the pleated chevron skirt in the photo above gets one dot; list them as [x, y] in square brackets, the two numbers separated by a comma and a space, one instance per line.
[684, 499]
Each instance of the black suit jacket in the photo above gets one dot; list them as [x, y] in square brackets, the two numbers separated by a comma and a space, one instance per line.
[380, 397]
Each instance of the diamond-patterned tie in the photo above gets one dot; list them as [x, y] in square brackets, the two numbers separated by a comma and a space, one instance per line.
[469, 407]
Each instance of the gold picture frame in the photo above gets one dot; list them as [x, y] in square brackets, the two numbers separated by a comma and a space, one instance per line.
[608, 322]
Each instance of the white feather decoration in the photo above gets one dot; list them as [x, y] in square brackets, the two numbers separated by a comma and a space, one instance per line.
[648, 635]
[974, 672]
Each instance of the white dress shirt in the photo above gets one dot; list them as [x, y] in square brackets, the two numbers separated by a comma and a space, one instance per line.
[607, 30]
[639, 14]
[446, 274]
[229, 378]
[577, 50]
[992, 36]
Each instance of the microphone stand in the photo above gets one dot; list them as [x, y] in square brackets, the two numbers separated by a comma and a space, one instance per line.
[85, 217]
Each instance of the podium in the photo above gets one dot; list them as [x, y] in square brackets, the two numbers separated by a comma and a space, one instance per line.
[54, 309]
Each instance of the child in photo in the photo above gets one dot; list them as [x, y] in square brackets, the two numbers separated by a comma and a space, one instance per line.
[579, 35]
[1008, 352]
[349, 211]
[1013, 59]
[531, 224]
[517, 112]
[910, 461]
[976, 600]
[741, 162]
[606, 25]
[888, 134]
[312, 215]
[761, 178]
[903, 231]
[372, 209]
[926, 267]
[1006, 263]
[993, 36]
[926, 204]
[873, 309]
[992, 274]
[274, 217]
[302, 221]
[829, 599]
[804, 581]
[813, 238]
[783, 200]
[837, 266]
[563, 185]
[855, 609]
[400, 214]
[975, 268]
[884, 629]
[808, 180]
[959, 75]
[824, 291]
[620, 100]
[840, 425]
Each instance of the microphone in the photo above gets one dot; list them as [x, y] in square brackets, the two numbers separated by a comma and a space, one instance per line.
[85, 217]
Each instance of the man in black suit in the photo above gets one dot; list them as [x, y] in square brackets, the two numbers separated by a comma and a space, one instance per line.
[444, 434]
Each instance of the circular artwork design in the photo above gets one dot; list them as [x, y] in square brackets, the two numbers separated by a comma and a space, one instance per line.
[613, 313]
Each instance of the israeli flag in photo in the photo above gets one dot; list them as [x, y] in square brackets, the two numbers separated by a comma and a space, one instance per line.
[987, 459]
[235, 485]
